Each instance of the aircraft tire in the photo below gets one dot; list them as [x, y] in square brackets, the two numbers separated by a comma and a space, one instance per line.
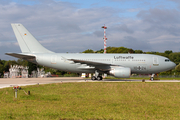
[93, 78]
[99, 78]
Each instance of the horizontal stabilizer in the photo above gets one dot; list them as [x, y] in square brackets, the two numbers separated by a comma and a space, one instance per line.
[22, 56]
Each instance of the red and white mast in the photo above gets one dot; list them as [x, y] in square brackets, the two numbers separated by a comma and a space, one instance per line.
[104, 38]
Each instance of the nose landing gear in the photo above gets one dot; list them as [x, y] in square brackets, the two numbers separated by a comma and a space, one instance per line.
[152, 77]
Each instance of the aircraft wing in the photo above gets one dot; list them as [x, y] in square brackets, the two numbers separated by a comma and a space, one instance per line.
[21, 55]
[92, 64]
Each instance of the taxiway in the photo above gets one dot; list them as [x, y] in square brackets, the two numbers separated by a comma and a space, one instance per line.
[10, 82]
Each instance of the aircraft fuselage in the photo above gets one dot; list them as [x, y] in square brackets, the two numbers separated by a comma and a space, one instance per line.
[138, 63]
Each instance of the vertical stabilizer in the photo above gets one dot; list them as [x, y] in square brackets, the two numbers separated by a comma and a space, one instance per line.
[27, 42]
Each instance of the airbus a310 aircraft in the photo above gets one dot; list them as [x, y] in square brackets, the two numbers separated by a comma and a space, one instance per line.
[118, 65]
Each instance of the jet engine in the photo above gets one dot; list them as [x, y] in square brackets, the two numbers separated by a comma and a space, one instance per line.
[120, 72]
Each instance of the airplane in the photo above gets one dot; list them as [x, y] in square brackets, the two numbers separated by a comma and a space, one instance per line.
[117, 65]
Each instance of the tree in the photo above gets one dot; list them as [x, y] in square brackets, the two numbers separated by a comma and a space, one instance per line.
[177, 68]
[22, 62]
[51, 70]
[88, 51]
[100, 51]
[32, 67]
[131, 51]
[117, 50]
[8, 64]
[168, 52]
[175, 57]
[1, 69]
[138, 51]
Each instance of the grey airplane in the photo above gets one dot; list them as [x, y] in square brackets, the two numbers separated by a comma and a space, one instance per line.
[117, 65]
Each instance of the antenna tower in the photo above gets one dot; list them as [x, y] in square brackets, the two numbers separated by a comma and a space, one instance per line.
[104, 38]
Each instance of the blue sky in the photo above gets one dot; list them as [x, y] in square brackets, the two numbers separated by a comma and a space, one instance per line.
[122, 4]
[74, 26]
[127, 8]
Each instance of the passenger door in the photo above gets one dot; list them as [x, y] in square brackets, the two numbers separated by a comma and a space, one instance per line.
[53, 59]
[155, 61]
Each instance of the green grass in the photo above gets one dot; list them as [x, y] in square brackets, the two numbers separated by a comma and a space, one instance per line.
[160, 78]
[127, 100]
[146, 78]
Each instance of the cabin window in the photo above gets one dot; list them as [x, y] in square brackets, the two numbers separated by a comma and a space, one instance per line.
[167, 60]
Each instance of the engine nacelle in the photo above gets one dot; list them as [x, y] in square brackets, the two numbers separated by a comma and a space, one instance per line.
[120, 72]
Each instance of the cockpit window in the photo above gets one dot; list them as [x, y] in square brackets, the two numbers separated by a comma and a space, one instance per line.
[167, 60]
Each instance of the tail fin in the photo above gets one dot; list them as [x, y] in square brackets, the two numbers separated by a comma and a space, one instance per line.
[27, 42]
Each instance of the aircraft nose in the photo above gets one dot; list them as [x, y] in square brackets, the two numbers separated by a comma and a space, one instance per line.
[173, 65]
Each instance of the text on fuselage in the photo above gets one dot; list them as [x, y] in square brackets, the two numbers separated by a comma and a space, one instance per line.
[121, 57]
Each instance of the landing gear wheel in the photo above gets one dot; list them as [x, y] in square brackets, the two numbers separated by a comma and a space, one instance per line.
[99, 78]
[93, 78]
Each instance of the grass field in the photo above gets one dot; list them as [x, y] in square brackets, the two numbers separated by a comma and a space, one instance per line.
[127, 100]
[146, 78]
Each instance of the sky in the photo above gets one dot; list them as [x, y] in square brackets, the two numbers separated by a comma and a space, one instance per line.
[75, 25]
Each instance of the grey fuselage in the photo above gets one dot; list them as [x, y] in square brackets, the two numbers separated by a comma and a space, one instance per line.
[138, 63]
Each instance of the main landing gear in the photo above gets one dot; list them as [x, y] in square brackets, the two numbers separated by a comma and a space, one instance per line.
[97, 76]
[152, 77]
